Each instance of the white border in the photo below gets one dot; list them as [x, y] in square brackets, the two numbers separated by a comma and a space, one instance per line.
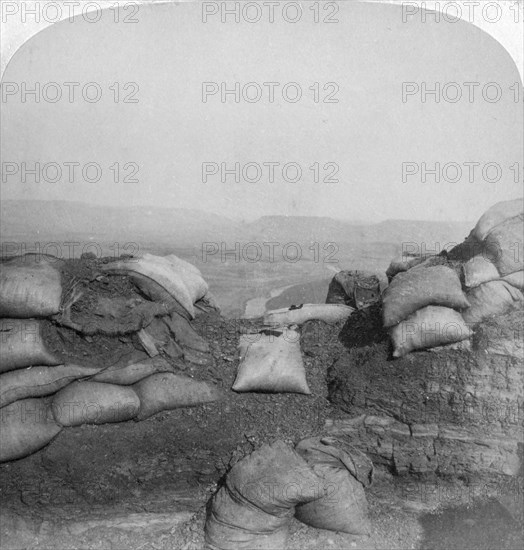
[506, 31]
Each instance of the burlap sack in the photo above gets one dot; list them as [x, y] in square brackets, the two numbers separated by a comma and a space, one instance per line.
[429, 327]
[417, 288]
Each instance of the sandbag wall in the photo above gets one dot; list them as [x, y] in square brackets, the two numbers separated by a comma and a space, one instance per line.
[441, 388]
[40, 393]
[428, 305]
[29, 291]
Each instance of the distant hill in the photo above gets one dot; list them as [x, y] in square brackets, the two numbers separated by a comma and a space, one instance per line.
[322, 230]
[65, 219]
[183, 227]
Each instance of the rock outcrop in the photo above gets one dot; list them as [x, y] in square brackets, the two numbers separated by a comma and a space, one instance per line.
[449, 411]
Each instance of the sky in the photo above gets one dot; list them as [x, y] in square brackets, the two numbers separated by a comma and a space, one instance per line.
[369, 136]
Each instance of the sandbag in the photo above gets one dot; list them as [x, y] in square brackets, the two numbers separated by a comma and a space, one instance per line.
[357, 289]
[498, 213]
[22, 345]
[490, 299]
[94, 403]
[39, 381]
[191, 276]
[255, 505]
[166, 391]
[234, 524]
[478, 270]
[297, 315]
[414, 289]
[429, 327]
[515, 279]
[182, 280]
[403, 263]
[344, 472]
[126, 375]
[271, 361]
[25, 427]
[504, 245]
[29, 288]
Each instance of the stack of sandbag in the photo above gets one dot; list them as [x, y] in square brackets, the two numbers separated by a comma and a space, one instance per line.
[480, 278]
[28, 424]
[494, 276]
[271, 361]
[421, 308]
[255, 505]
[320, 482]
[134, 387]
[30, 290]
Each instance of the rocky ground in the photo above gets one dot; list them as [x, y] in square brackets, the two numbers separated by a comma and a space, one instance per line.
[142, 485]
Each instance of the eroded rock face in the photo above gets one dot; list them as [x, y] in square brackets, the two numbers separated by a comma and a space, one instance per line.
[457, 412]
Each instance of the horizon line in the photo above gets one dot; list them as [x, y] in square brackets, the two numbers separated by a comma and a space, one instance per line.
[241, 220]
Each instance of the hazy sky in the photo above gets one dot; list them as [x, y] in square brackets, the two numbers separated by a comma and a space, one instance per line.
[170, 131]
